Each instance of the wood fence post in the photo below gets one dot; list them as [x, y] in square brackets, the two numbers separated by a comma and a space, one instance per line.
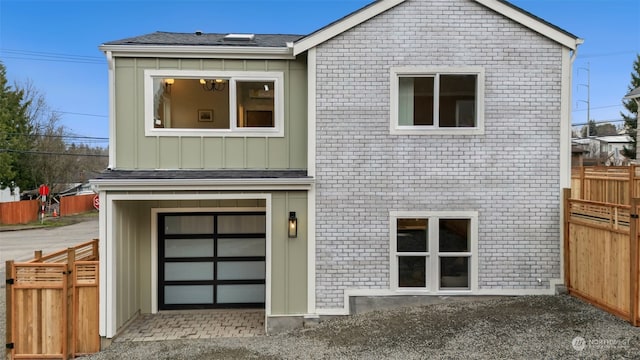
[95, 249]
[69, 295]
[37, 255]
[8, 307]
[566, 195]
[582, 184]
[632, 183]
[633, 262]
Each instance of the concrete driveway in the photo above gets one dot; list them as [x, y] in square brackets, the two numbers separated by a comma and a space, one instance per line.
[19, 245]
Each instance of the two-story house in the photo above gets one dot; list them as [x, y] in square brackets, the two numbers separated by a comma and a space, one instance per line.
[414, 147]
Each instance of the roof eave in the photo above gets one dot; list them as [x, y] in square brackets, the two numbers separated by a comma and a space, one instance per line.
[201, 184]
[522, 17]
[199, 51]
[510, 11]
[344, 24]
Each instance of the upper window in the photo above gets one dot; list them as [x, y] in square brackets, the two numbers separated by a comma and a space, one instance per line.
[437, 100]
[213, 103]
[433, 252]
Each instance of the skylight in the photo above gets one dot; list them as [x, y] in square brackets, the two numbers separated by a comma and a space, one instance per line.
[245, 37]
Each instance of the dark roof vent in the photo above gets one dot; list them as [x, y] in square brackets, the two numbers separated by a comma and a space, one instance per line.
[240, 37]
[198, 32]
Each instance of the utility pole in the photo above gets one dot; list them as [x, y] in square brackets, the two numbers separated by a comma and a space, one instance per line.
[588, 101]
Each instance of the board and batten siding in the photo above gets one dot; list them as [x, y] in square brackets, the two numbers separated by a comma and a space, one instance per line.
[134, 150]
[133, 239]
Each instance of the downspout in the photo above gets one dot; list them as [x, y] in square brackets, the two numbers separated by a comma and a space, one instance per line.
[112, 120]
[565, 150]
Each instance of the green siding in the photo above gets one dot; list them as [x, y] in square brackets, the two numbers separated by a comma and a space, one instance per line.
[134, 150]
[132, 234]
[289, 256]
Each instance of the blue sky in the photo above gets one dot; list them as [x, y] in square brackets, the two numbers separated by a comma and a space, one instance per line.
[54, 43]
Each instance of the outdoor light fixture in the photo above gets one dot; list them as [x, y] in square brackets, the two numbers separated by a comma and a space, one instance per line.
[212, 85]
[167, 84]
[293, 225]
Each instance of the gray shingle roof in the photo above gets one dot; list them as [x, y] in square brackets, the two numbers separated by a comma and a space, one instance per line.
[633, 94]
[200, 174]
[192, 39]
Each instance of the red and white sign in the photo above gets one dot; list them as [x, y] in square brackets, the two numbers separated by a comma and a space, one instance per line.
[43, 190]
[96, 202]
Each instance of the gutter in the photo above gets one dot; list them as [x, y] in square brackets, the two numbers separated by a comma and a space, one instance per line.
[200, 52]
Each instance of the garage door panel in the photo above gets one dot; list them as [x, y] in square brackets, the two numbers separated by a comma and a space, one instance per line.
[238, 294]
[241, 270]
[241, 247]
[241, 224]
[188, 294]
[185, 224]
[188, 271]
[185, 248]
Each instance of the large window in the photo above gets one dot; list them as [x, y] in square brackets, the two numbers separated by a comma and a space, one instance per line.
[439, 100]
[209, 103]
[433, 252]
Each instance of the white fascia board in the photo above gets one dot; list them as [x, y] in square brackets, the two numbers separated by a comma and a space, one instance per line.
[343, 25]
[202, 184]
[199, 52]
[532, 23]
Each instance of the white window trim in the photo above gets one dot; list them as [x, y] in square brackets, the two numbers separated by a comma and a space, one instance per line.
[397, 72]
[433, 253]
[233, 76]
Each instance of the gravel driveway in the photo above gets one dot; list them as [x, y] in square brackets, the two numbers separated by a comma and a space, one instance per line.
[529, 327]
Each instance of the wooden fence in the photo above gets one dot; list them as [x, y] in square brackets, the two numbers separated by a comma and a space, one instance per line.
[609, 184]
[26, 211]
[70, 205]
[601, 254]
[52, 304]
[19, 212]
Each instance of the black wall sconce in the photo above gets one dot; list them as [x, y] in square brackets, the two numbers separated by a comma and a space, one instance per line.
[293, 225]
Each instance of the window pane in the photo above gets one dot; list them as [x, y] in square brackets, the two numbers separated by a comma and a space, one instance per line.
[188, 104]
[255, 103]
[241, 247]
[241, 270]
[412, 235]
[188, 224]
[241, 224]
[241, 293]
[188, 271]
[188, 294]
[454, 272]
[454, 235]
[411, 271]
[174, 248]
[457, 101]
[415, 102]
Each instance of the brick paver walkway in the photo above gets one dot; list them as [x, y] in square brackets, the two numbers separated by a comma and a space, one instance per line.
[195, 325]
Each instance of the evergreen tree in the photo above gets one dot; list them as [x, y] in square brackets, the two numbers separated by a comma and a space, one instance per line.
[589, 129]
[15, 133]
[631, 118]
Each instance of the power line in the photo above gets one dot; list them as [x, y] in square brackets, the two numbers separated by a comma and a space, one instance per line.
[599, 107]
[61, 136]
[75, 113]
[47, 56]
[49, 153]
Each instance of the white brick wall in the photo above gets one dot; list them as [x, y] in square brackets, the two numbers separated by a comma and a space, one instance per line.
[510, 175]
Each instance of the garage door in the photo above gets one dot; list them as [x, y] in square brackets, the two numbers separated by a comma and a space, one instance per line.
[211, 260]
